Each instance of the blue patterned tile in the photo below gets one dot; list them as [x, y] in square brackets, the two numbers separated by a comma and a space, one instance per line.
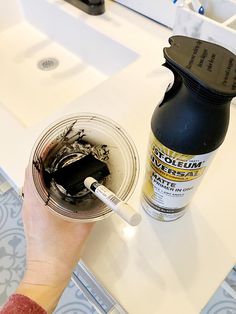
[222, 302]
[74, 302]
[12, 243]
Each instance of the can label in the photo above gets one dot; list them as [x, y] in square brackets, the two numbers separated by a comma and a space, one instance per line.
[171, 179]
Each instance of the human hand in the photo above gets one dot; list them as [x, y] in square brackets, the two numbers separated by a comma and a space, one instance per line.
[53, 249]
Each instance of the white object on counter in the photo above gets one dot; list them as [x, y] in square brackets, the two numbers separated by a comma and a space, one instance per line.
[217, 25]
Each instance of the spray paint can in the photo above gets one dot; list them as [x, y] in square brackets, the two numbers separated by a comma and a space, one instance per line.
[189, 125]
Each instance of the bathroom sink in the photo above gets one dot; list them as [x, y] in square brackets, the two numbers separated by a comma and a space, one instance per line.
[50, 56]
[56, 60]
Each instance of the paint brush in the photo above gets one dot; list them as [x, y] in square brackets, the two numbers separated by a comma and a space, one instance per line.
[124, 210]
[86, 172]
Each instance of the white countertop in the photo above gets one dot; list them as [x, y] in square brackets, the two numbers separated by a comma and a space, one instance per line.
[155, 267]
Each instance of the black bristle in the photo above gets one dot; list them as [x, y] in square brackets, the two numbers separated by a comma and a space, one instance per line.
[72, 176]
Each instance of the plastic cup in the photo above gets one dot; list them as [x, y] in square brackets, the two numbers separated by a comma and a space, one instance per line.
[119, 153]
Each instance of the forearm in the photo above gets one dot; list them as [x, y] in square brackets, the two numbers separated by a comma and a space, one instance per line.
[44, 284]
[53, 249]
[45, 296]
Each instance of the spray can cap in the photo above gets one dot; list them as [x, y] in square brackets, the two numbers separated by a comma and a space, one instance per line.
[206, 67]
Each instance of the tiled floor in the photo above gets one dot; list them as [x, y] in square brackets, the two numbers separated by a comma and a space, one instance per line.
[12, 263]
[12, 257]
[222, 302]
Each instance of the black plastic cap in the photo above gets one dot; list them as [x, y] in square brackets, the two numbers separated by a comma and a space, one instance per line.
[206, 65]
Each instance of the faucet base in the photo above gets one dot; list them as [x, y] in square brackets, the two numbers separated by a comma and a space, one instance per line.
[92, 7]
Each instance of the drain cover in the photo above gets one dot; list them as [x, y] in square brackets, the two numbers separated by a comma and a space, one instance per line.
[48, 64]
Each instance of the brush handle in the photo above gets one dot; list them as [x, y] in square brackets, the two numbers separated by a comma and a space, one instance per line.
[124, 210]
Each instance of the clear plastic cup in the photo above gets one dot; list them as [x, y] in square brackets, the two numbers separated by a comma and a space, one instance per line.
[119, 153]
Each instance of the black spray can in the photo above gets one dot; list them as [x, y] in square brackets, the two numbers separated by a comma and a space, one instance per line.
[189, 125]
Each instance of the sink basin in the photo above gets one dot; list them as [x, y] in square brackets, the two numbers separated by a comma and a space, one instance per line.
[50, 56]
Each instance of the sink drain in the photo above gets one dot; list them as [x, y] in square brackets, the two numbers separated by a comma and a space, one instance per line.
[48, 64]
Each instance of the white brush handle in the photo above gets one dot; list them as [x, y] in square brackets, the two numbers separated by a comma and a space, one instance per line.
[124, 210]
